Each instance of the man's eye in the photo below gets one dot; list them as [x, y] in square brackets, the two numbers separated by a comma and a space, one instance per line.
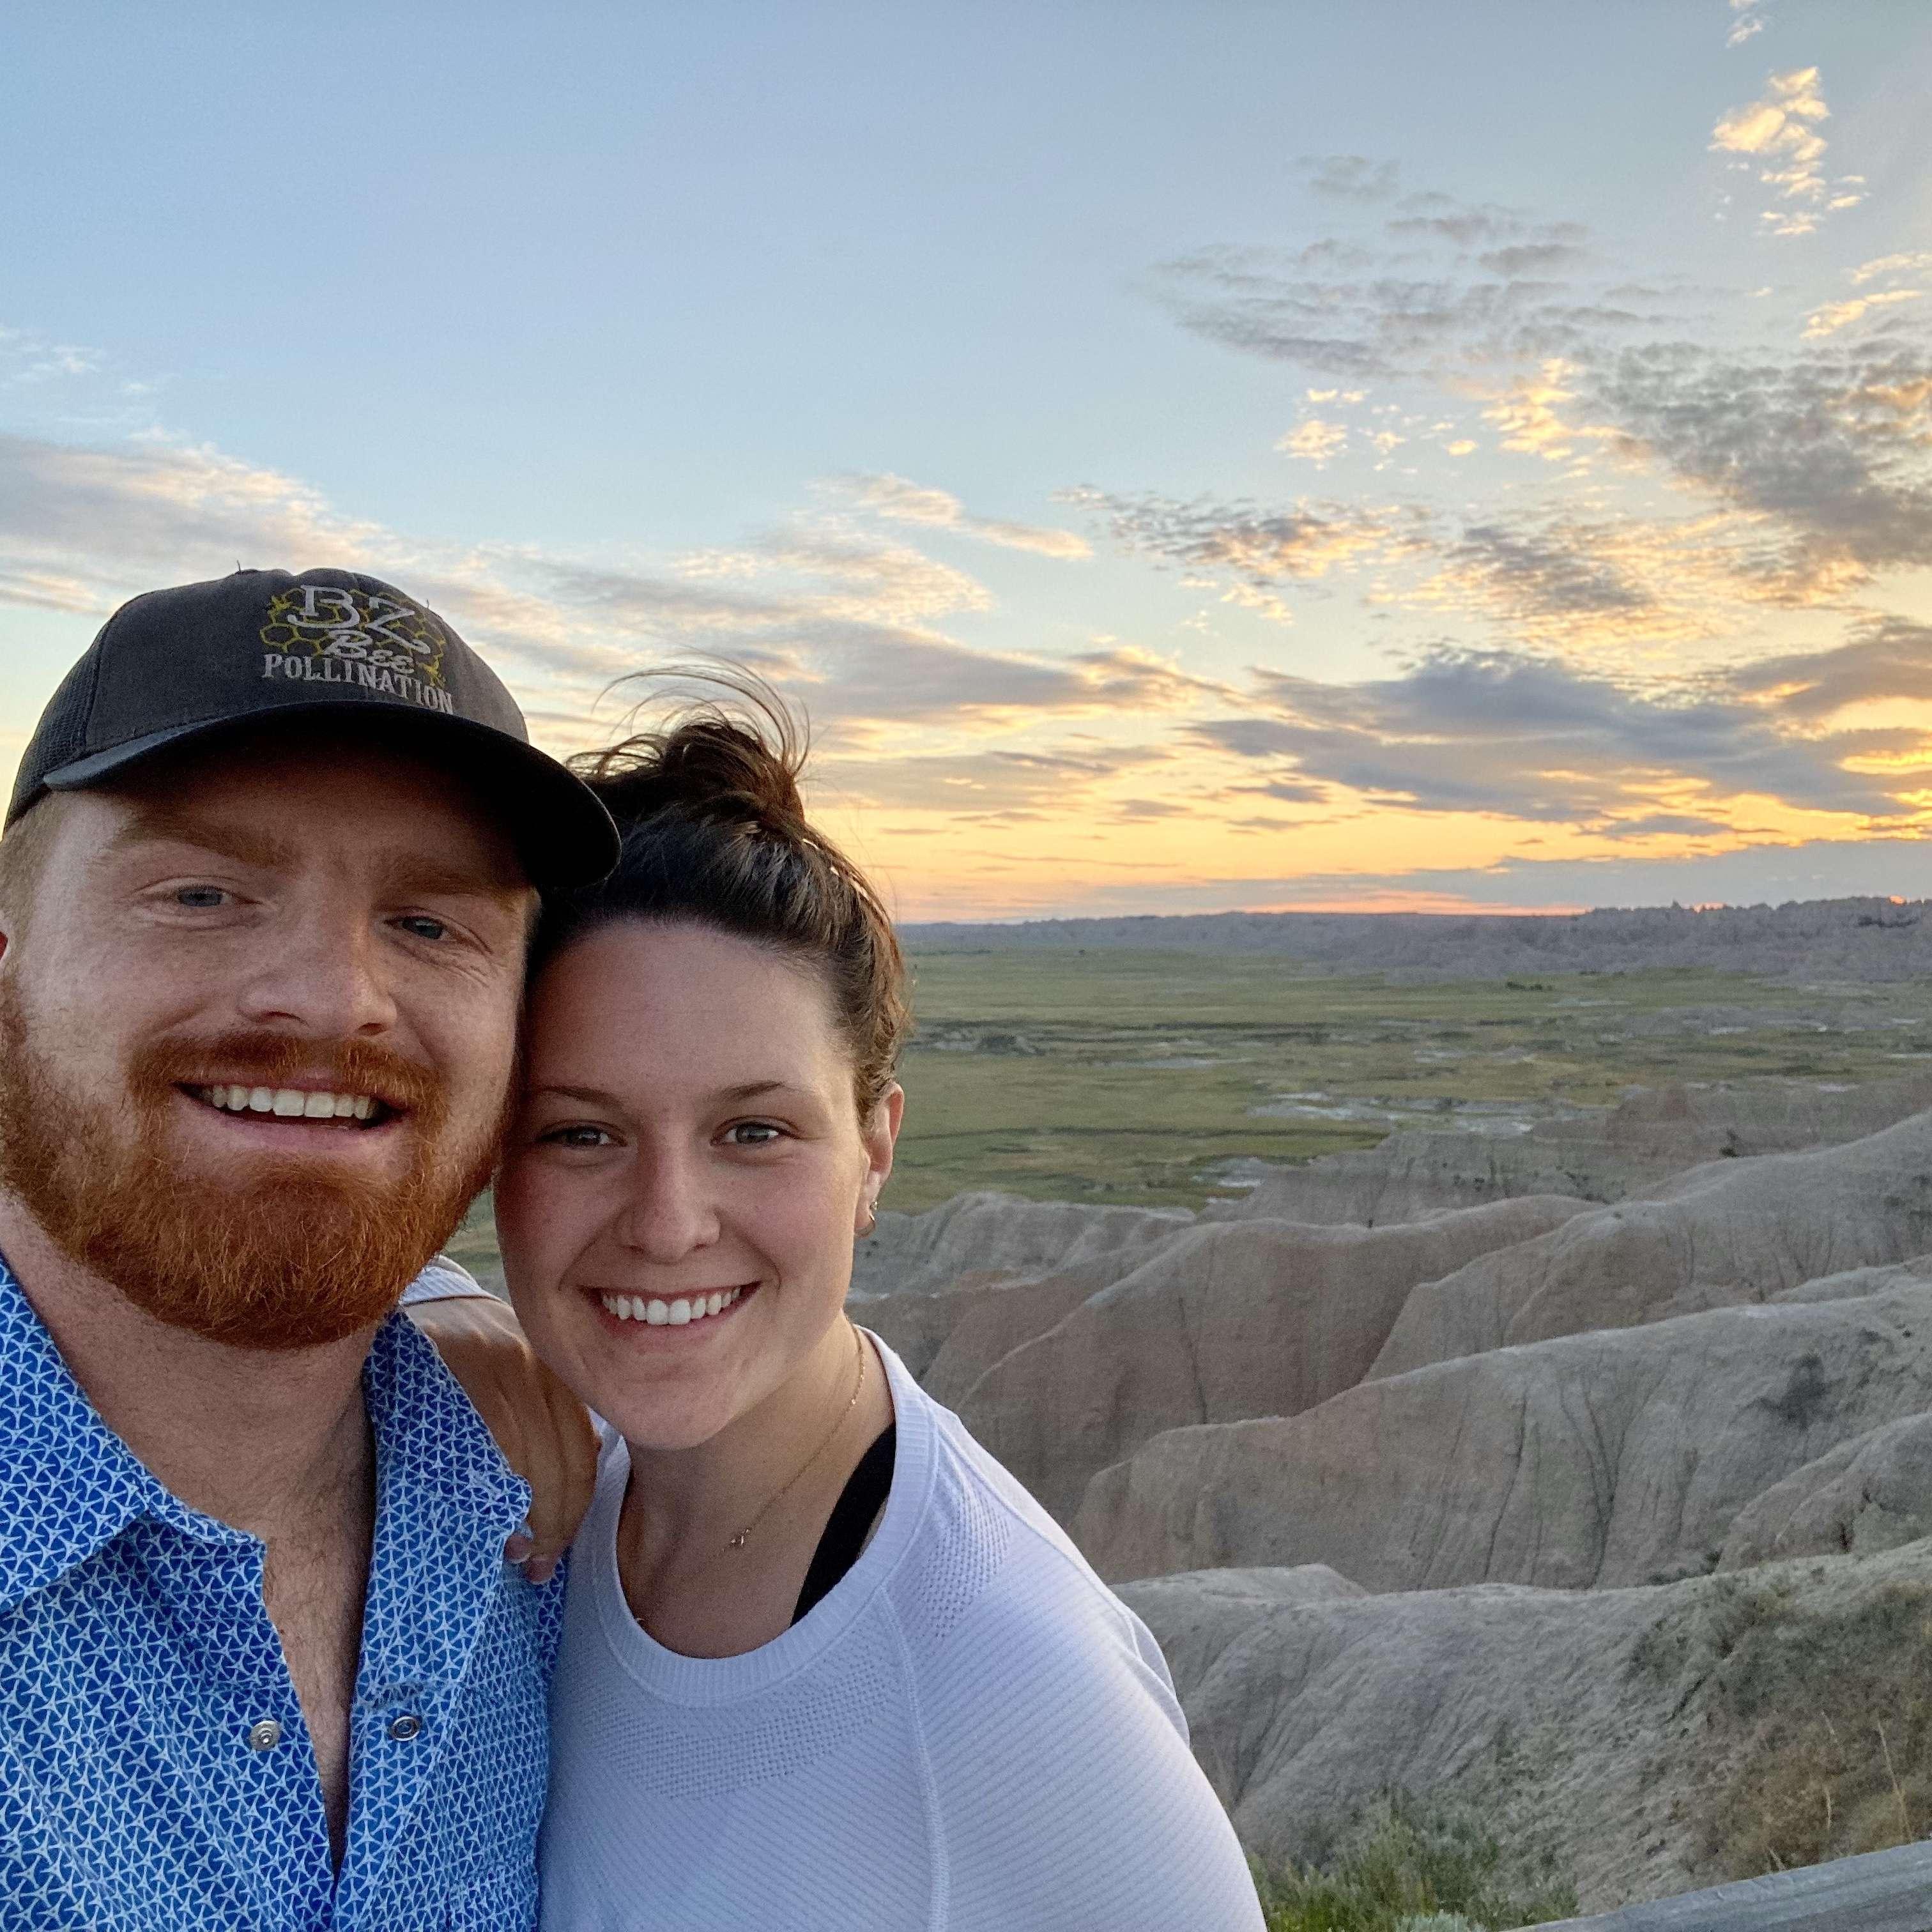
[752, 1133]
[420, 925]
[199, 897]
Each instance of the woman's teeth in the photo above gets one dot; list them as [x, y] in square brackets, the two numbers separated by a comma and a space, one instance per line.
[673, 1314]
[289, 1103]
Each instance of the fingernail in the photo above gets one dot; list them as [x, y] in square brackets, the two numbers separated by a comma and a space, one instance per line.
[517, 1549]
[542, 1570]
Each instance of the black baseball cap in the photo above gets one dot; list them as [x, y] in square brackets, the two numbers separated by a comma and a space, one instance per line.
[176, 666]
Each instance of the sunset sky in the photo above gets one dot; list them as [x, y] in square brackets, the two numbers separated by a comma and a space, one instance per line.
[1182, 456]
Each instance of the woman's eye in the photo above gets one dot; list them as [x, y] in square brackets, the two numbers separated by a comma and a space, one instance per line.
[576, 1137]
[752, 1133]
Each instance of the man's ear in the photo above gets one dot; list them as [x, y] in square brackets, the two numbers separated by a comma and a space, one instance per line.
[24, 848]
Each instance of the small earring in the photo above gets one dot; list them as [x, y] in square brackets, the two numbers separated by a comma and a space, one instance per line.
[871, 1222]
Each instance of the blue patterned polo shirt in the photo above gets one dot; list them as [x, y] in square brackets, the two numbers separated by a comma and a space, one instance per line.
[155, 1772]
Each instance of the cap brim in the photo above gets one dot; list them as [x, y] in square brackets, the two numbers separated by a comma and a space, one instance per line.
[560, 827]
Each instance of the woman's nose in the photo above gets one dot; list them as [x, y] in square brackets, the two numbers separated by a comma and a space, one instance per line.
[670, 1211]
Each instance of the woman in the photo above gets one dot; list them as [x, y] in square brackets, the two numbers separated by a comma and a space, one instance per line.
[825, 1663]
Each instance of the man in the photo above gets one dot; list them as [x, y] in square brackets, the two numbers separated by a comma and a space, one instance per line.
[264, 889]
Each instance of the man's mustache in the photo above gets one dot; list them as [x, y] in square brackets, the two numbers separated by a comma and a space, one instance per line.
[260, 1058]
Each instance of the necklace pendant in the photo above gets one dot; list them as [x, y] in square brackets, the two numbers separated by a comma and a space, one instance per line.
[738, 1541]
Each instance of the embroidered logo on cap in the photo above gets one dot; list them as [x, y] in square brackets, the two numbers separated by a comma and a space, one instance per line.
[324, 633]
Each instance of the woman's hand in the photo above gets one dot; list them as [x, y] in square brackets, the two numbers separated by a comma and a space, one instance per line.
[543, 1431]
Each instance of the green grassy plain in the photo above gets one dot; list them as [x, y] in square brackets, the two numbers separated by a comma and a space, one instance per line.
[1134, 1077]
[1131, 1077]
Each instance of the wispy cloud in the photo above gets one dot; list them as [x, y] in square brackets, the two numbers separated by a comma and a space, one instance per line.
[899, 501]
[1918, 261]
[1314, 441]
[1349, 177]
[845, 621]
[1216, 540]
[1523, 242]
[26, 358]
[1747, 19]
[1831, 452]
[992, 783]
[1534, 421]
[1779, 132]
[1533, 739]
[1497, 290]
[1832, 316]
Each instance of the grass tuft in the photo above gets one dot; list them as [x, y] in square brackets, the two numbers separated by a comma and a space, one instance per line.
[1401, 1866]
[1824, 1725]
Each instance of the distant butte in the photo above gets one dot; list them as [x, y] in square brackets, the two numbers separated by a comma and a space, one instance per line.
[1857, 939]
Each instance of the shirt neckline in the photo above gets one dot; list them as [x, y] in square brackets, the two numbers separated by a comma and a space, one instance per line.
[678, 1679]
[69, 1485]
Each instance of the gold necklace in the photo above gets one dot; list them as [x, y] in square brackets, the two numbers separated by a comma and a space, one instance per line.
[739, 1541]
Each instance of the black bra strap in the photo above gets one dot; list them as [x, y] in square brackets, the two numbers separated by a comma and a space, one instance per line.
[863, 1496]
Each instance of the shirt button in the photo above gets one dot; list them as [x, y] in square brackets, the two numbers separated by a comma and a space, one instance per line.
[265, 1734]
[404, 1728]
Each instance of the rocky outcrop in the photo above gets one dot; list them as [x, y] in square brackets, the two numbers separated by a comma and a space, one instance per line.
[1730, 1232]
[1624, 1731]
[1198, 1614]
[1597, 1154]
[1864, 939]
[986, 1237]
[1589, 1461]
[949, 1337]
[1871, 1494]
[1243, 1318]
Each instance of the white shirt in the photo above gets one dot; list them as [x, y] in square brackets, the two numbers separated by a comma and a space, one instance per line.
[969, 1733]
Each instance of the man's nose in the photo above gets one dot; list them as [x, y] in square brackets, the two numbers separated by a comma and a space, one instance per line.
[326, 976]
[671, 1211]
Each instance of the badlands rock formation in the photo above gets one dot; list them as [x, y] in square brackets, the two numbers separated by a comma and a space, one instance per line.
[1597, 1155]
[1613, 1458]
[1651, 1740]
[1246, 1318]
[1732, 1230]
[1610, 1520]
[1871, 1494]
[987, 1237]
[1818, 939]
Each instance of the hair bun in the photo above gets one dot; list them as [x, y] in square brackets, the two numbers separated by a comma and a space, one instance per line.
[706, 761]
[732, 758]
[715, 833]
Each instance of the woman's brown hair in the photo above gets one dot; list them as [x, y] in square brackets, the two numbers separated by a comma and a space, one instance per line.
[715, 831]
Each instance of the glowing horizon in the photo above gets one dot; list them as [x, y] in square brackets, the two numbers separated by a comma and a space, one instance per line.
[1492, 499]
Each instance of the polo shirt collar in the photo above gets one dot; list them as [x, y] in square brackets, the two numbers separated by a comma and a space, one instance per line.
[69, 1485]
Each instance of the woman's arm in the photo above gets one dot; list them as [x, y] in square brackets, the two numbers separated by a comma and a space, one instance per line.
[544, 1432]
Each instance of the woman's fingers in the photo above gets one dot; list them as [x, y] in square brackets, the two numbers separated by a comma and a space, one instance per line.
[562, 1474]
[543, 1430]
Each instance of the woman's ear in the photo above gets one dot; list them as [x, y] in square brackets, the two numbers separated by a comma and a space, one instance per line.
[879, 1132]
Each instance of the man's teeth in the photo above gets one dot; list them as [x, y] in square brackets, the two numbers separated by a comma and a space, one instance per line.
[289, 1103]
[673, 1314]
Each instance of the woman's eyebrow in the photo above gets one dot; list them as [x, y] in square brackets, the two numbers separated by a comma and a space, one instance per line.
[750, 1089]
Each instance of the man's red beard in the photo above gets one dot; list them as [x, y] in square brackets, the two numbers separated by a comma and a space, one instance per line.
[282, 1255]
